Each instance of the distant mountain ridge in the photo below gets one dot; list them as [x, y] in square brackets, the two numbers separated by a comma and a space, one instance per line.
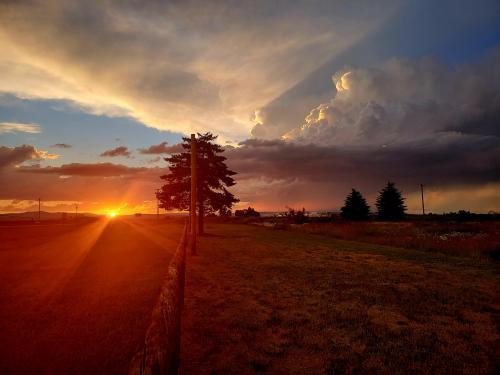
[33, 215]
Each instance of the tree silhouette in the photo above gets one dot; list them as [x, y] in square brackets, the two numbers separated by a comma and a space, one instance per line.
[355, 207]
[213, 179]
[390, 203]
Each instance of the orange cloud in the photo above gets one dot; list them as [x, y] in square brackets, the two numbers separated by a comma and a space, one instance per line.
[162, 148]
[118, 151]
[10, 156]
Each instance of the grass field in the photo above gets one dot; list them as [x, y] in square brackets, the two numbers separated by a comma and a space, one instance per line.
[260, 300]
[478, 240]
[76, 297]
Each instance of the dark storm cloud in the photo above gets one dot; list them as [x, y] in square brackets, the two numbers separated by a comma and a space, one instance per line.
[118, 151]
[447, 160]
[162, 148]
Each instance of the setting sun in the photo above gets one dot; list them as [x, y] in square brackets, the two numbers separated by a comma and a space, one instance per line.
[112, 214]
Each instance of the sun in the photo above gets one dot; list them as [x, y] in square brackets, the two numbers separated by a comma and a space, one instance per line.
[112, 214]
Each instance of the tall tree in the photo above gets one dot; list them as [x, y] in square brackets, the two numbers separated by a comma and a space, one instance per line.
[213, 179]
[355, 207]
[390, 203]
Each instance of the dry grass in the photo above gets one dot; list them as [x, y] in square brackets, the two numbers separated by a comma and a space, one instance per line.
[480, 240]
[266, 301]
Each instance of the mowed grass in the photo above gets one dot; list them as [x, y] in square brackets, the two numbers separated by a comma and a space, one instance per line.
[260, 300]
[76, 298]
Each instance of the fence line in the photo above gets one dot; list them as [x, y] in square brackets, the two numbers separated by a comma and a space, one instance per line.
[161, 352]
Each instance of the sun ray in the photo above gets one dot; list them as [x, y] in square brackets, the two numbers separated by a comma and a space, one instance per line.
[66, 254]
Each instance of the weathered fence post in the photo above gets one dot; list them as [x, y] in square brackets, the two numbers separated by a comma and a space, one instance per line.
[193, 194]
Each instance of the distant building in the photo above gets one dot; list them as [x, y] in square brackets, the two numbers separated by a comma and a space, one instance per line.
[248, 212]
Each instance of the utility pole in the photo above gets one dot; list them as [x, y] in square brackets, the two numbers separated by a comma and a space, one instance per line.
[422, 193]
[39, 209]
[193, 194]
[157, 204]
[76, 210]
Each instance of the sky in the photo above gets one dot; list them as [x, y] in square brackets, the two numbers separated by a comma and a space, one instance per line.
[310, 97]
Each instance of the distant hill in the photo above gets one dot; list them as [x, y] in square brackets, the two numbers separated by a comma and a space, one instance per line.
[33, 215]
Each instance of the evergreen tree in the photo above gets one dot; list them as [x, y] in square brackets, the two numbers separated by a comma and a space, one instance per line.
[213, 179]
[355, 207]
[390, 203]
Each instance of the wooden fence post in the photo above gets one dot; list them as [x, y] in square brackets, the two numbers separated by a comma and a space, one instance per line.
[193, 194]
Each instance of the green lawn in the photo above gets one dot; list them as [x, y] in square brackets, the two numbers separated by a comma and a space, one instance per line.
[260, 300]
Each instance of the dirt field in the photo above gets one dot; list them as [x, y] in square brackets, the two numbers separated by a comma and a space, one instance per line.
[76, 298]
[260, 300]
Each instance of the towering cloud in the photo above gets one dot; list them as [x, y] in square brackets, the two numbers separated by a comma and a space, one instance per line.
[403, 100]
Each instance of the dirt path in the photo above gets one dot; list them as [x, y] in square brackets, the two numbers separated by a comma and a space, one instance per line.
[77, 298]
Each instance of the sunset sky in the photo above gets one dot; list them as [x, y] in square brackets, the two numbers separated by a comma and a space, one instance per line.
[310, 97]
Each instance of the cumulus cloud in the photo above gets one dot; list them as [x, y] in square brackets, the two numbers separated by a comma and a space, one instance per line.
[10, 156]
[61, 145]
[118, 151]
[162, 148]
[17, 127]
[403, 100]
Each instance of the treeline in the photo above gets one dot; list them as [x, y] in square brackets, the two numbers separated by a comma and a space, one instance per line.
[390, 206]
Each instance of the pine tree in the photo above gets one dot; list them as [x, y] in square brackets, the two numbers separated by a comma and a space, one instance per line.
[355, 207]
[213, 179]
[390, 203]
